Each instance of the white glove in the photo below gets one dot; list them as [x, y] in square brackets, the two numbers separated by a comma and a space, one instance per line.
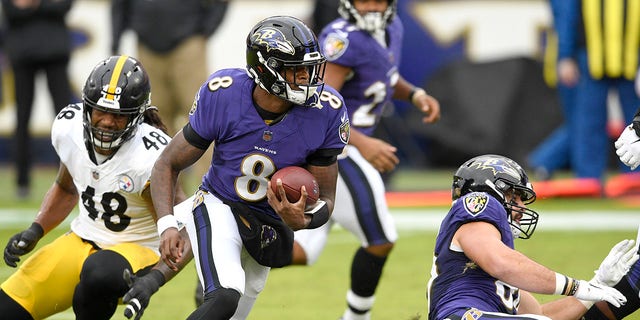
[620, 259]
[594, 292]
[627, 147]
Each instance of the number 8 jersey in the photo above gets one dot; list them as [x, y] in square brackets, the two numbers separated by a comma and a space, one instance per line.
[112, 209]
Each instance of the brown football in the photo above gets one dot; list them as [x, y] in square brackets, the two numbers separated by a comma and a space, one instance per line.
[293, 178]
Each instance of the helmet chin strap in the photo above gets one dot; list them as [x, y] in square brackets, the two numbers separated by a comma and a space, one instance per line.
[515, 232]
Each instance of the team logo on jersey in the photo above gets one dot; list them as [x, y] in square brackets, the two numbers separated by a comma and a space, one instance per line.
[469, 265]
[125, 183]
[274, 39]
[472, 314]
[345, 129]
[267, 135]
[334, 46]
[474, 203]
[95, 175]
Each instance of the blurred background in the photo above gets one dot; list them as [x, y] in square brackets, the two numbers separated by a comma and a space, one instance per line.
[481, 58]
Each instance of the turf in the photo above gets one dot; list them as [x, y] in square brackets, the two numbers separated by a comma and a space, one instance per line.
[317, 292]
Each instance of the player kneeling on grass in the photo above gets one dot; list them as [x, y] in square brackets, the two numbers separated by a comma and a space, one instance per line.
[107, 146]
[477, 273]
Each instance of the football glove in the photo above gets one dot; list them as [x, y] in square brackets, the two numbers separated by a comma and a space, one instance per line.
[620, 259]
[594, 292]
[140, 291]
[628, 148]
[22, 243]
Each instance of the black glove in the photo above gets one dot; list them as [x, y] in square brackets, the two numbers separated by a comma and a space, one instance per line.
[636, 122]
[141, 289]
[22, 243]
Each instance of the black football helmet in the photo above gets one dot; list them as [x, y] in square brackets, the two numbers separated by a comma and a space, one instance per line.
[370, 21]
[285, 44]
[118, 85]
[497, 176]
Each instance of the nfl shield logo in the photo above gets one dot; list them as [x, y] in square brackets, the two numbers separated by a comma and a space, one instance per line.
[267, 135]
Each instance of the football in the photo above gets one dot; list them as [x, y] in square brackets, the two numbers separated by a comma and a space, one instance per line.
[293, 178]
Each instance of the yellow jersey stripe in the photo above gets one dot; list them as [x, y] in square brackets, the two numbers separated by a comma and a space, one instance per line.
[612, 32]
[593, 32]
[632, 39]
[551, 59]
[613, 24]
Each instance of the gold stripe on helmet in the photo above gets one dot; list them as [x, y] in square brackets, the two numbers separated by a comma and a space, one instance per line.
[117, 70]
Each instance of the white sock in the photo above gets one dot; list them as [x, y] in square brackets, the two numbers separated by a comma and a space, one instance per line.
[360, 303]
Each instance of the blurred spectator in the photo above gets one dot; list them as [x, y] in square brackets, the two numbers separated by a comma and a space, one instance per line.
[172, 45]
[554, 153]
[324, 11]
[37, 39]
[172, 39]
[597, 52]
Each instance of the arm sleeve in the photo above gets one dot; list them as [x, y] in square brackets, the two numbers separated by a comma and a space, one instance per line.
[194, 138]
[567, 17]
[324, 157]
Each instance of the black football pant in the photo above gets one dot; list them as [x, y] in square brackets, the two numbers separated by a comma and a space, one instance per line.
[24, 73]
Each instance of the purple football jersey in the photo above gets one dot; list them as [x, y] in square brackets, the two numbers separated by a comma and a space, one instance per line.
[247, 151]
[457, 282]
[374, 66]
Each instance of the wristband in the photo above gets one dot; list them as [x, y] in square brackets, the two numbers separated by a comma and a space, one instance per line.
[319, 215]
[166, 222]
[566, 286]
[416, 92]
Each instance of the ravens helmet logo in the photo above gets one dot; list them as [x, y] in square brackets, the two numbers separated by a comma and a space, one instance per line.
[274, 39]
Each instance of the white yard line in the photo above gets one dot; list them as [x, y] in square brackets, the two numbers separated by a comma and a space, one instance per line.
[429, 219]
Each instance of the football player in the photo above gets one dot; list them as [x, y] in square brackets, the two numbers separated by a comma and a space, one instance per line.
[627, 146]
[107, 146]
[363, 49]
[628, 149]
[627, 281]
[477, 273]
[273, 114]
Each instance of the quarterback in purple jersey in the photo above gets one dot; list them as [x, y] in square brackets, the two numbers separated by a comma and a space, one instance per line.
[275, 113]
[477, 273]
[363, 52]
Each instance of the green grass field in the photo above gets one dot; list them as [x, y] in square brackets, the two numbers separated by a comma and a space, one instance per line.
[317, 292]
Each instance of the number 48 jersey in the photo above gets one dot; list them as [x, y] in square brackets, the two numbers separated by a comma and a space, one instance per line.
[112, 209]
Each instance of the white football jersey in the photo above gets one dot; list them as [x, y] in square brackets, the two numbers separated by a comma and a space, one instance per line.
[112, 209]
